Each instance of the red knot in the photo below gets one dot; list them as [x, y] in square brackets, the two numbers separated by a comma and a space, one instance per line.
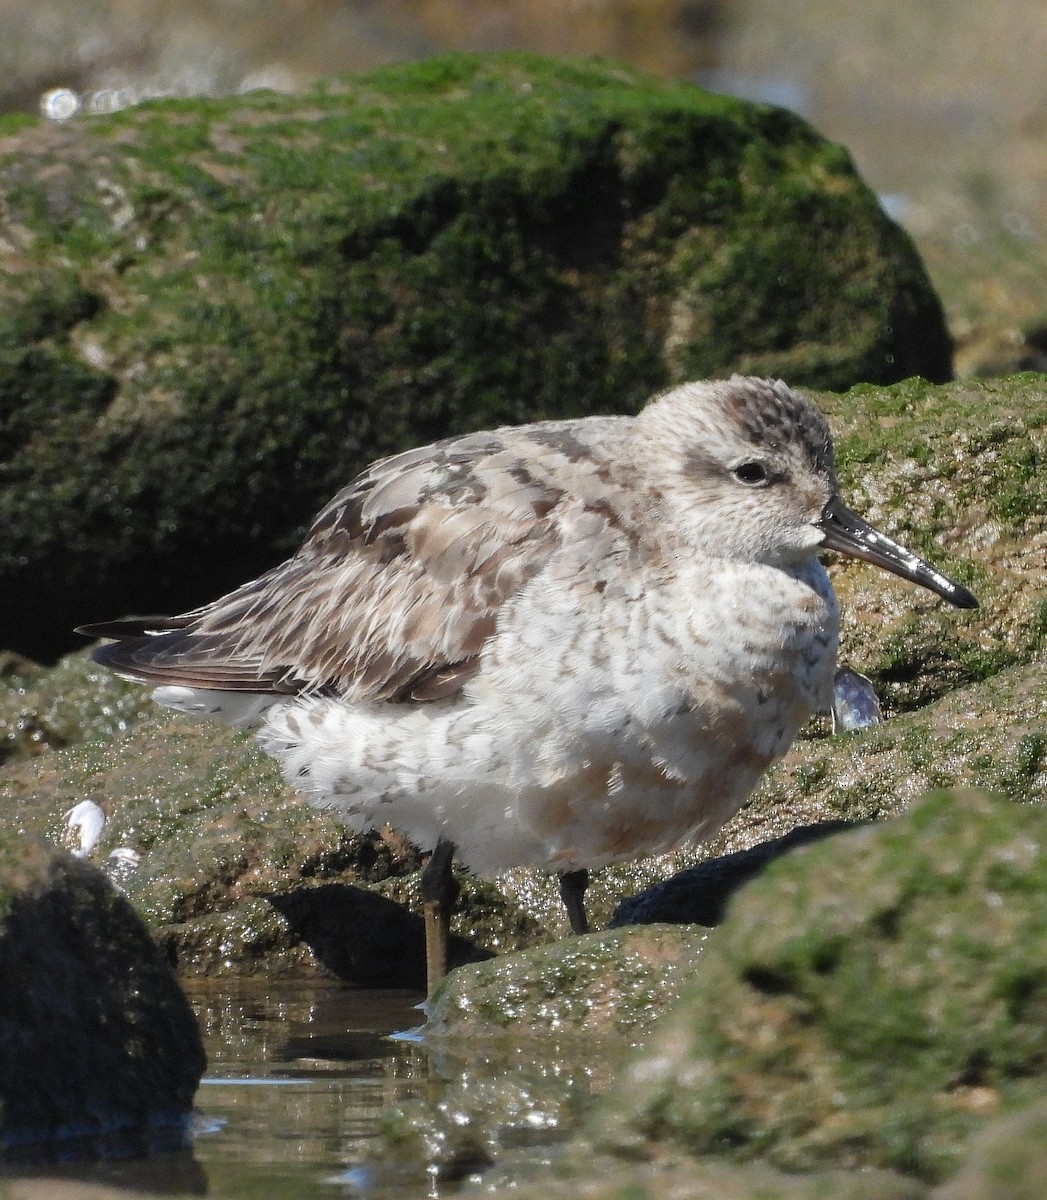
[559, 645]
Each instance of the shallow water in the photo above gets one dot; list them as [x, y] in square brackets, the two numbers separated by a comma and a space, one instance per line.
[299, 1076]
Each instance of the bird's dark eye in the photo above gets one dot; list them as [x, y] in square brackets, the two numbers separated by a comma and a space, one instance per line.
[752, 473]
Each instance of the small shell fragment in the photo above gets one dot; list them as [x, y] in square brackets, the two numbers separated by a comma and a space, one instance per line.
[84, 823]
[855, 705]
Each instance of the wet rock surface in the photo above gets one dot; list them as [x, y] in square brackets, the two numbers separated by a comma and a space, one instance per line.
[602, 985]
[216, 311]
[99, 1050]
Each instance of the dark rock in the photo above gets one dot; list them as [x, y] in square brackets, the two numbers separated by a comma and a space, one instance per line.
[99, 1051]
[246, 300]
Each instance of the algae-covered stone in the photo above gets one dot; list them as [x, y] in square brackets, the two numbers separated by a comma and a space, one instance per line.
[956, 473]
[99, 1049]
[74, 701]
[1006, 1161]
[867, 1003]
[602, 985]
[991, 735]
[215, 311]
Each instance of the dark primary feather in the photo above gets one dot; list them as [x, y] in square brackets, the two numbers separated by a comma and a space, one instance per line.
[125, 627]
[399, 582]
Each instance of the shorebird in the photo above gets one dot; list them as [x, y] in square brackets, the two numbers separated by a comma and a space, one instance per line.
[560, 645]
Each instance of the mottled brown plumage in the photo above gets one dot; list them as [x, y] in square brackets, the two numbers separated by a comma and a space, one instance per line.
[400, 580]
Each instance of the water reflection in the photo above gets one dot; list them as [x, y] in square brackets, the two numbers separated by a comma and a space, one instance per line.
[302, 1078]
[299, 1077]
[302, 1085]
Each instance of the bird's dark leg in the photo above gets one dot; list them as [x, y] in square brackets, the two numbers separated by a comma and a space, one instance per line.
[439, 891]
[572, 893]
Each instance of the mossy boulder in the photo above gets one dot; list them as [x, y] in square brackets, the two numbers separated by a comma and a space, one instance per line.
[99, 1050]
[868, 1002]
[602, 985]
[213, 312]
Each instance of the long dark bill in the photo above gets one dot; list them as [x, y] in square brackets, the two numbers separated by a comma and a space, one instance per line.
[849, 533]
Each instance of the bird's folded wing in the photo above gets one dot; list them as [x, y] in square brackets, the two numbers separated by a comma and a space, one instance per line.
[400, 581]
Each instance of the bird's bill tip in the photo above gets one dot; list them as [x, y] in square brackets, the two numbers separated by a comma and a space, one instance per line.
[848, 533]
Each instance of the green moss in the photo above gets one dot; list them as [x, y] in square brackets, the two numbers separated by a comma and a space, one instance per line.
[75, 701]
[952, 472]
[604, 985]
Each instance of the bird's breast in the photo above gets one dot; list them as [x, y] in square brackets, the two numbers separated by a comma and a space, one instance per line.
[703, 665]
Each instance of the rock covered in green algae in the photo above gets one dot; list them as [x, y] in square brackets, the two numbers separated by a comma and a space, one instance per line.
[956, 473]
[611, 984]
[1006, 1161]
[991, 735]
[867, 1003]
[74, 701]
[99, 1049]
[215, 311]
